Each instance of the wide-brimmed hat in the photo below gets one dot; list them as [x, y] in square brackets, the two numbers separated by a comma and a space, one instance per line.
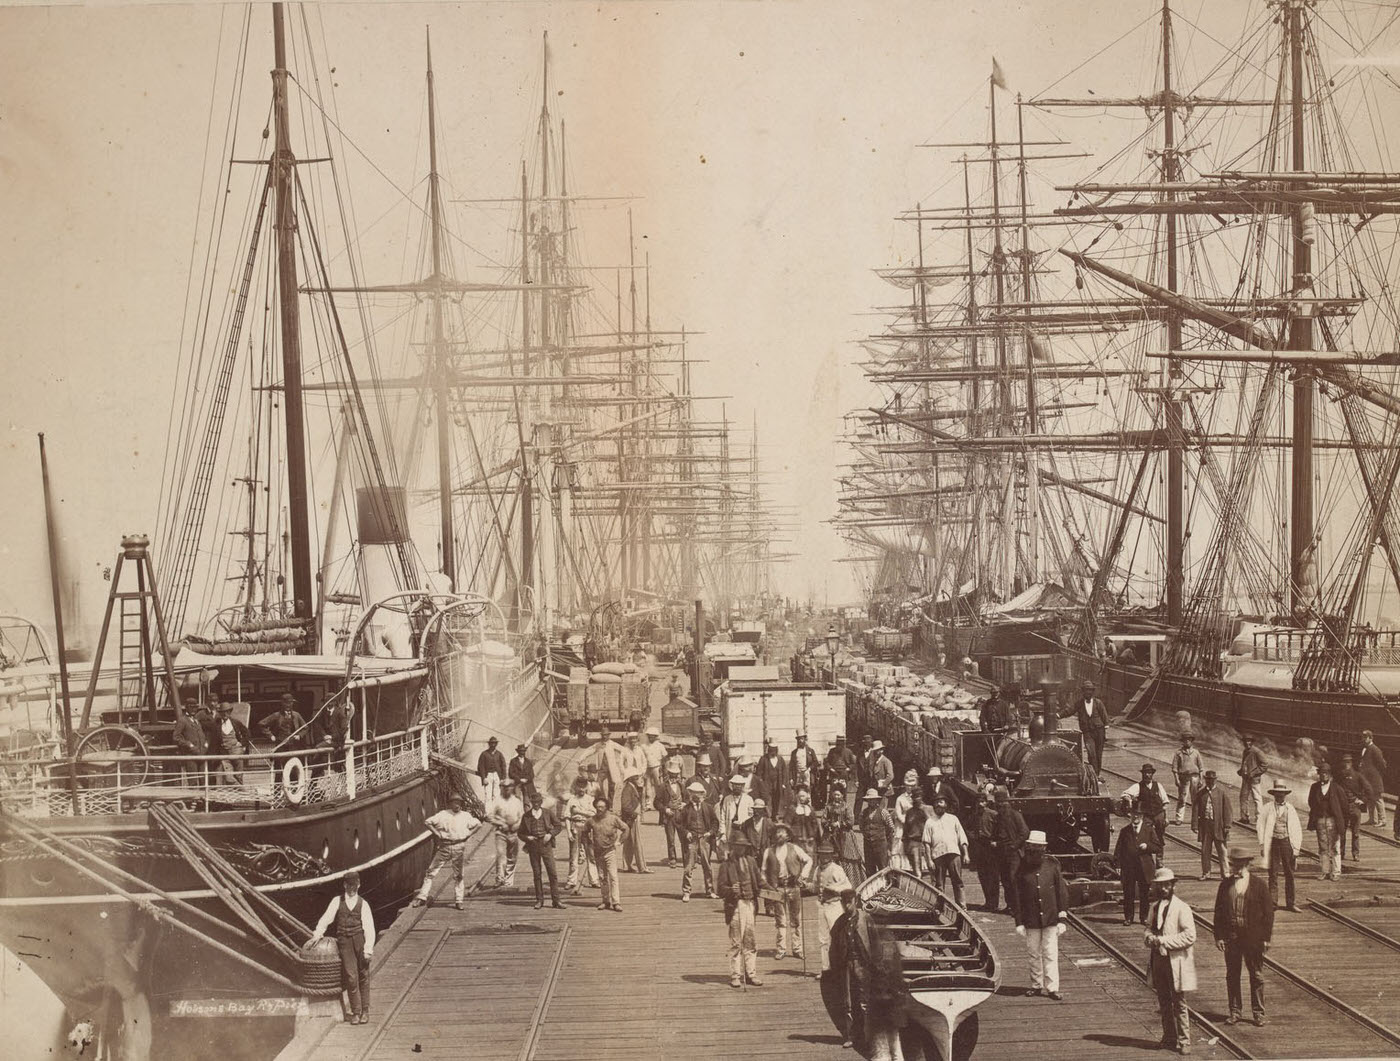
[455, 800]
[1280, 788]
[1036, 839]
[695, 786]
[703, 760]
[1148, 768]
[1241, 853]
[653, 731]
[737, 779]
[1211, 775]
[870, 793]
[1163, 874]
[826, 845]
[520, 748]
[878, 746]
[492, 740]
[738, 839]
[760, 804]
[935, 771]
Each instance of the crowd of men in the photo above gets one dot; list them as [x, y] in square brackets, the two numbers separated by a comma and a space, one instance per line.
[755, 834]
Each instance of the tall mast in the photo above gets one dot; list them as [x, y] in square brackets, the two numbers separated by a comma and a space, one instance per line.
[1003, 422]
[973, 468]
[1171, 170]
[1029, 463]
[527, 508]
[284, 178]
[441, 368]
[1300, 337]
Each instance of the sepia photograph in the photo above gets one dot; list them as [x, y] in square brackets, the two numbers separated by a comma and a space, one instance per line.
[918, 480]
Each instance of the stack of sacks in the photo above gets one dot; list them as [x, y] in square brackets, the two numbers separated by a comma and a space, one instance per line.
[612, 673]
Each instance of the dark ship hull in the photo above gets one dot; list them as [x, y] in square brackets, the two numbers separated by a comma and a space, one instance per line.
[104, 955]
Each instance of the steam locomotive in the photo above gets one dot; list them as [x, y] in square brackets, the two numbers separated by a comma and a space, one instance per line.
[1050, 785]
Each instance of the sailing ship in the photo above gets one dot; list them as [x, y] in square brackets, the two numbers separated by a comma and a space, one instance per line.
[547, 445]
[1231, 258]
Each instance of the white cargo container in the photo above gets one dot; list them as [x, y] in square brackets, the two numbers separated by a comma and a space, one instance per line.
[751, 711]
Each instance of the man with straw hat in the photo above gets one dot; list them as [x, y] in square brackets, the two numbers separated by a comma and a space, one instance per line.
[1280, 840]
[834, 893]
[739, 883]
[697, 824]
[1041, 910]
[786, 867]
[735, 809]
[1244, 925]
[1171, 966]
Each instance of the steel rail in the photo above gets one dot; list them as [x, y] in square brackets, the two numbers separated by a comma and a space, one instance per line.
[1104, 943]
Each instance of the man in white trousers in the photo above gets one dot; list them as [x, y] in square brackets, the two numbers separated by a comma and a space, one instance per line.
[1042, 915]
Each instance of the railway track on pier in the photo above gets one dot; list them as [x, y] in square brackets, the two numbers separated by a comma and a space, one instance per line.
[1326, 966]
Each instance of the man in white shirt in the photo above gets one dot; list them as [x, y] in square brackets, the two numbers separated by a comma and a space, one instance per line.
[632, 760]
[1280, 840]
[505, 814]
[785, 867]
[354, 936]
[451, 827]
[655, 752]
[834, 891]
[577, 810]
[946, 843]
[735, 809]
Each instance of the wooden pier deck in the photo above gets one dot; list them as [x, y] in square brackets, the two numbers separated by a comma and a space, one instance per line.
[501, 979]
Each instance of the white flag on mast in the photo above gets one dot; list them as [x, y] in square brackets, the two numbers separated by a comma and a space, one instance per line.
[998, 75]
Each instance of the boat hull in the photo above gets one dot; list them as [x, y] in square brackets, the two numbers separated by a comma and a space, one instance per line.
[152, 987]
[1282, 716]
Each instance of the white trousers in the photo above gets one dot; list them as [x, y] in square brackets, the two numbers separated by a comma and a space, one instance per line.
[1043, 946]
[827, 913]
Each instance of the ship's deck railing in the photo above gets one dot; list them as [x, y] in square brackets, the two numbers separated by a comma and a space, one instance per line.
[261, 781]
[1379, 648]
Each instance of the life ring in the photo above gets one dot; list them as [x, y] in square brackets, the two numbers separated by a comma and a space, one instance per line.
[294, 781]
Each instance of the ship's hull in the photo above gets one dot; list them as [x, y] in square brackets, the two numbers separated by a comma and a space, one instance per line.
[1280, 715]
[152, 986]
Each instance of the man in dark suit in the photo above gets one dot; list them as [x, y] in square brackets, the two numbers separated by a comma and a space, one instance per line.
[1010, 834]
[1213, 817]
[522, 771]
[1139, 844]
[538, 828]
[1093, 721]
[1327, 815]
[1244, 925]
[770, 779]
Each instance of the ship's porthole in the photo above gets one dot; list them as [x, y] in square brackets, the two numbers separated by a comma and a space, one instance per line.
[325, 850]
[355, 843]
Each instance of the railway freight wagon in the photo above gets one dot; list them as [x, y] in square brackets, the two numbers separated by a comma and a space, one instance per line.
[1048, 781]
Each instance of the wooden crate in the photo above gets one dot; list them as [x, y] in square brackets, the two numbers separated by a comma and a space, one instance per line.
[603, 702]
[634, 699]
[576, 703]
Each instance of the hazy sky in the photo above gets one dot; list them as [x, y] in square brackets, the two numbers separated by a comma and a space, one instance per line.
[769, 145]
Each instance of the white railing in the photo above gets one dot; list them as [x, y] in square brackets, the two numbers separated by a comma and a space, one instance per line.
[262, 781]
